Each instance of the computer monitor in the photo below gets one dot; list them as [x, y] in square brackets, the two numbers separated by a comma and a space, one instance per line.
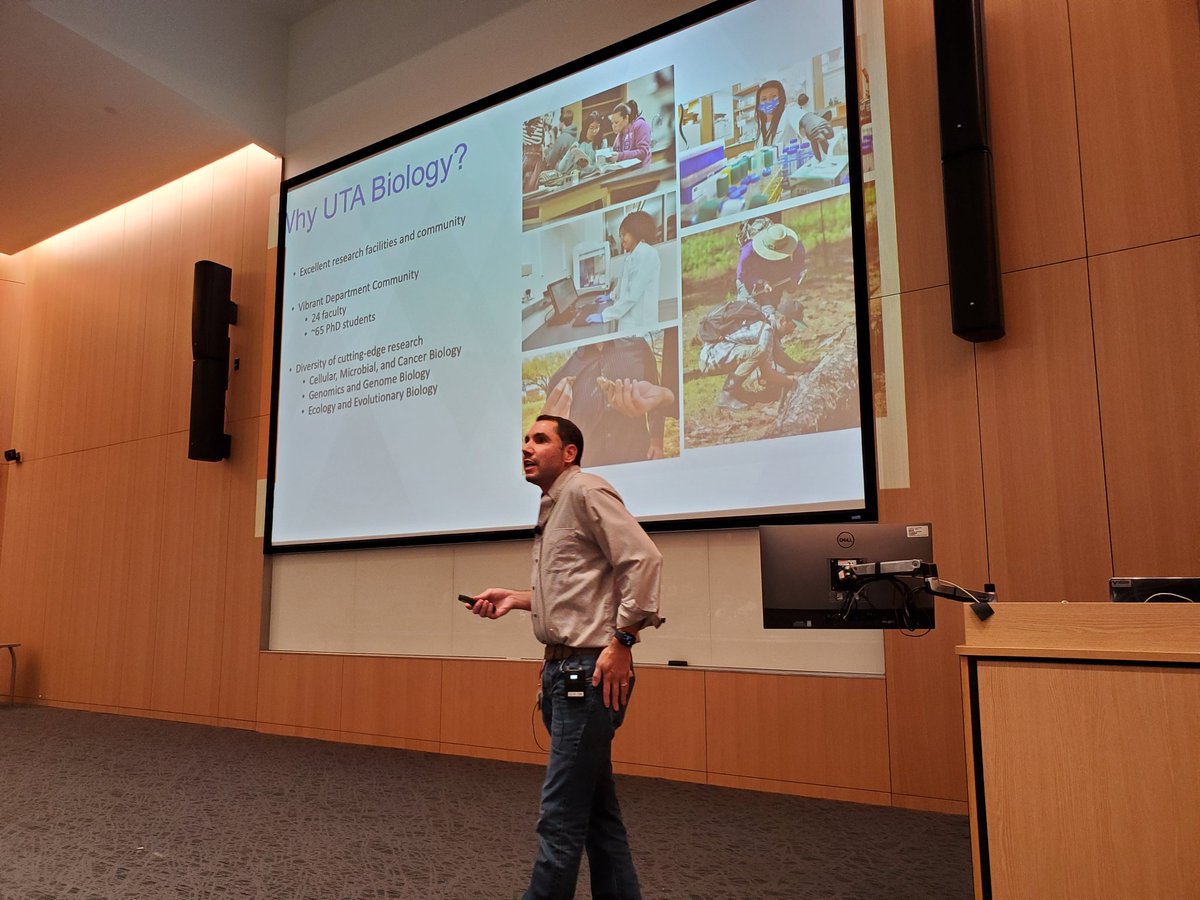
[591, 267]
[1154, 590]
[562, 295]
[801, 588]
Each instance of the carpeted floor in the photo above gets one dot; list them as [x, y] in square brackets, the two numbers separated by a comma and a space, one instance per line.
[97, 806]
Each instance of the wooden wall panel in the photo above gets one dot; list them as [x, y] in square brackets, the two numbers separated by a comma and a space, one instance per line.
[244, 583]
[22, 601]
[206, 583]
[12, 304]
[130, 592]
[665, 726]
[134, 301]
[916, 146]
[58, 521]
[302, 690]
[223, 240]
[65, 403]
[12, 300]
[27, 362]
[946, 488]
[195, 242]
[112, 576]
[1042, 456]
[158, 348]
[144, 562]
[489, 704]
[392, 697]
[1035, 150]
[174, 589]
[40, 382]
[1147, 323]
[1137, 74]
[798, 729]
[945, 464]
[85, 596]
[45, 563]
[255, 286]
[96, 302]
[926, 753]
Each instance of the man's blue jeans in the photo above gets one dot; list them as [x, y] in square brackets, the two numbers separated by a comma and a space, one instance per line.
[579, 798]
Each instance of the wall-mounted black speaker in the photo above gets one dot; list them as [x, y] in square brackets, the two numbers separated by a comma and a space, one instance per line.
[972, 247]
[207, 440]
[212, 310]
[212, 314]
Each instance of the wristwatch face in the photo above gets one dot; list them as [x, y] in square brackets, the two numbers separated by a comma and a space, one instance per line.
[627, 639]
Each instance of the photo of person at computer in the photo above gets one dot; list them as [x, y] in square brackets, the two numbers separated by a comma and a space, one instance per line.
[609, 272]
[623, 393]
[618, 142]
[769, 341]
[633, 302]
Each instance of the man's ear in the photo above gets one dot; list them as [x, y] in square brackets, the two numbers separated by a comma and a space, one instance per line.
[570, 452]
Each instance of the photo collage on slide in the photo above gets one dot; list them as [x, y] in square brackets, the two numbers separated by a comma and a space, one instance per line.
[687, 260]
[599, 265]
[769, 346]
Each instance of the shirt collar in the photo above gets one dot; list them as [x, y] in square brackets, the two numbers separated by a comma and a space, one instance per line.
[560, 482]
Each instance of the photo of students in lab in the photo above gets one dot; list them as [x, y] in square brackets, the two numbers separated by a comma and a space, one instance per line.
[631, 133]
[625, 150]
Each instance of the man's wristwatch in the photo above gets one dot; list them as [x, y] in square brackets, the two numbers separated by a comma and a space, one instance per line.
[625, 637]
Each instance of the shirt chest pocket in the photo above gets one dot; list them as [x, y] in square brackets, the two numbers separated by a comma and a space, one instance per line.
[563, 551]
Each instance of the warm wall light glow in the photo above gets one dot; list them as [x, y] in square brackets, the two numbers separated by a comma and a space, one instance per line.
[112, 223]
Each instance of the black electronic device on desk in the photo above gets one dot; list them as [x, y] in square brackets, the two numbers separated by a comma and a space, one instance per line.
[1154, 590]
[568, 305]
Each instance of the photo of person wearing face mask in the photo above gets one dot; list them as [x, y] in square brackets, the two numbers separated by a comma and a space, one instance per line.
[778, 124]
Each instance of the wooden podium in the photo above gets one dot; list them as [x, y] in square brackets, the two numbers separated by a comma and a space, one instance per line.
[1083, 749]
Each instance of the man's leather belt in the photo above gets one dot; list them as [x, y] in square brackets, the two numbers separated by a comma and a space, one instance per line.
[562, 651]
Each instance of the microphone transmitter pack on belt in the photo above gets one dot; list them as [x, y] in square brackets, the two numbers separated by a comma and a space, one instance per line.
[576, 679]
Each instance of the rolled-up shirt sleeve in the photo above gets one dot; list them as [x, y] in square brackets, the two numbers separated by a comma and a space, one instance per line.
[635, 559]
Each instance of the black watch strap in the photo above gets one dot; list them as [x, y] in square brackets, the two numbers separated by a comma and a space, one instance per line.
[625, 637]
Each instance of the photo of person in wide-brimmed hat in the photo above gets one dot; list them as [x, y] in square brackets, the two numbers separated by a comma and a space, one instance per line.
[765, 304]
[772, 259]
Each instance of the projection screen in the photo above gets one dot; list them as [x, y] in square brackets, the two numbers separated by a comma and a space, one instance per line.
[663, 242]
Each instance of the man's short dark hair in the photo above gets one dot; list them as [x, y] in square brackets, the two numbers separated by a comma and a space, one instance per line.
[568, 433]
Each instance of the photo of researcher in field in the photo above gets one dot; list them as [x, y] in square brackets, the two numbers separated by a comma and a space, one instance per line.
[769, 342]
